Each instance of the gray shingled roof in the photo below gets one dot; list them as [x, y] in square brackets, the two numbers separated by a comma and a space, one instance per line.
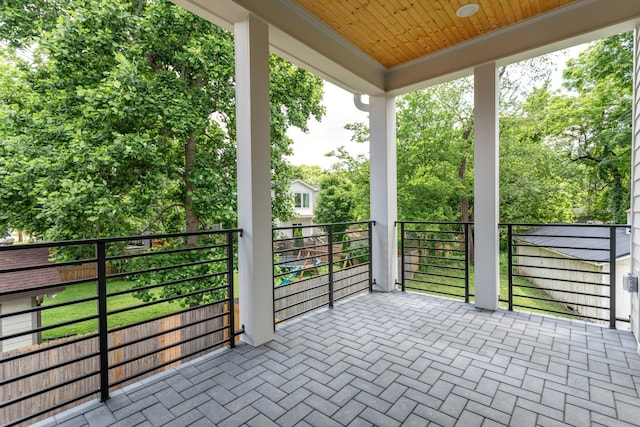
[589, 243]
[29, 279]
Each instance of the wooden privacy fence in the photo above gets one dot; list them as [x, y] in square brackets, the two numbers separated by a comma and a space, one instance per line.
[88, 271]
[162, 339]
[302, 296]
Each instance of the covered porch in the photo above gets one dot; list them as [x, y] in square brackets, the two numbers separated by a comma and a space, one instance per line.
[389, 358]
[395, 359]
[337, 41]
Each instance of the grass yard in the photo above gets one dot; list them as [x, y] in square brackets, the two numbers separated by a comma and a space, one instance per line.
[539, 306]
[89, 308]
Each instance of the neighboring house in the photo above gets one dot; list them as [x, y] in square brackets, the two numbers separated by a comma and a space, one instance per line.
[585, 249]
[305, 197]
[25, 281]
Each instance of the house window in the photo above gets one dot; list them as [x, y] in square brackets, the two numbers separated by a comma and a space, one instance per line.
[302, 200]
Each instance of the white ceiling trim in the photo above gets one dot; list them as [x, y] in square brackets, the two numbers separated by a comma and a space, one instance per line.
[568, 26]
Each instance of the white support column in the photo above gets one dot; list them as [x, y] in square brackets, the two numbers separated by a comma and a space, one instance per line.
[383, 189]
[255, 268]
[486, 190]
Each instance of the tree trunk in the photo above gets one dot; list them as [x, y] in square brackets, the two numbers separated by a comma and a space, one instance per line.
[464, 200]
[191, 216]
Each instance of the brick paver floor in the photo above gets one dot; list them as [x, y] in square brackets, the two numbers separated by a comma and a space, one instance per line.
[395, 359]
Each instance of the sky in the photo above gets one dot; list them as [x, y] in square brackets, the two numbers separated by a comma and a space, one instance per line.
[325, 136]
[329, 134]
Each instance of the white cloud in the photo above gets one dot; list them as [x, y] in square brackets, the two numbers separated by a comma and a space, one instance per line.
[329, 134]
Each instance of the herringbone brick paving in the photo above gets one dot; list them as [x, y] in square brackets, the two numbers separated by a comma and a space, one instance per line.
[396, 359]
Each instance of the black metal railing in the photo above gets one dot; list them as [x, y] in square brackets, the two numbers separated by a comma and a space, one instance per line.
[434, 257]
[316, 265]
[565, 270]
[91, 316]
[568, 270]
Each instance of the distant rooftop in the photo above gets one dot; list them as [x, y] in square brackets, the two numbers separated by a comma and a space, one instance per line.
[586, 243]
[27, 280]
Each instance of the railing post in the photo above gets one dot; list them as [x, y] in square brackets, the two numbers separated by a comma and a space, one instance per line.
[467, 234]
[330, 260]
[612, 276]
[103, 333]
[510, 264]
[231, 297]
[370, 241]
[402, 259]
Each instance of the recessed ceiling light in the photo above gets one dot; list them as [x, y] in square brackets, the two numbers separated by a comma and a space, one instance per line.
[467, 10]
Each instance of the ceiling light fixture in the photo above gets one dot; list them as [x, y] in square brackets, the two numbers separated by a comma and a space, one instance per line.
[467, 10]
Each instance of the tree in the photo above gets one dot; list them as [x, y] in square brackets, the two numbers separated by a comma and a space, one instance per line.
[538, 184]
[310, 174]
[594, 121]
[126, 119]
[336, 202]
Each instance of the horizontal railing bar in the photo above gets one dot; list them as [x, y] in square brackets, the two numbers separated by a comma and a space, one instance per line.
[592, 260]
[580, 282]
[165, 268]
[293, 227]
[47, 307]
[46, 328]
[165, 252]
[306, 300]
[548, 310]
[429, 282]
[118, 239]
[435, 292]
[563, 291]
[48, 368]
[49, 346]
[164, 316]
[291, 294]
[597, 307]
[46, 390]
[166, 331]
[173, 298]
[169, 362]
[441, 266]
[449, 276]
[166, 347]
[572, 270]
[169, 283]
[43, 289]
[437, 222]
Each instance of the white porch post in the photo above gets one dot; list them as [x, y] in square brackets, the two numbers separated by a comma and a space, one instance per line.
[485, 205]
[255, 268]
[383, 189]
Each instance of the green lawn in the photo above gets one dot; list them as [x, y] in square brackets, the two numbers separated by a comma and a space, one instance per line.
[539, 306]
[89, 308]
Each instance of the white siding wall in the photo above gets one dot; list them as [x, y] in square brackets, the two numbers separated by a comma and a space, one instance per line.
[14, 324]
[635, 182]
[592, 273]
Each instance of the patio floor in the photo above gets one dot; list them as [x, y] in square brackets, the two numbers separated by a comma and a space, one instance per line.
[395, 359]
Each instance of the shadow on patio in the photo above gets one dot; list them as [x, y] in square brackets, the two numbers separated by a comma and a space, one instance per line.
[395, 359]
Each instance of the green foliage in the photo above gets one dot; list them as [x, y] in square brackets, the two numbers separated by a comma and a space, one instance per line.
[435, 152]
[181, 270]
[123, 119]
[336, 202]
[594, 122]
[310, 174]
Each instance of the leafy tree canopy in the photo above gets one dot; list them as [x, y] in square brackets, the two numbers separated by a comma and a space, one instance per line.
[122, 118]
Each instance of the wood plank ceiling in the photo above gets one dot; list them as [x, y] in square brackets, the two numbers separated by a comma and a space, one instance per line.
[397, 31]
